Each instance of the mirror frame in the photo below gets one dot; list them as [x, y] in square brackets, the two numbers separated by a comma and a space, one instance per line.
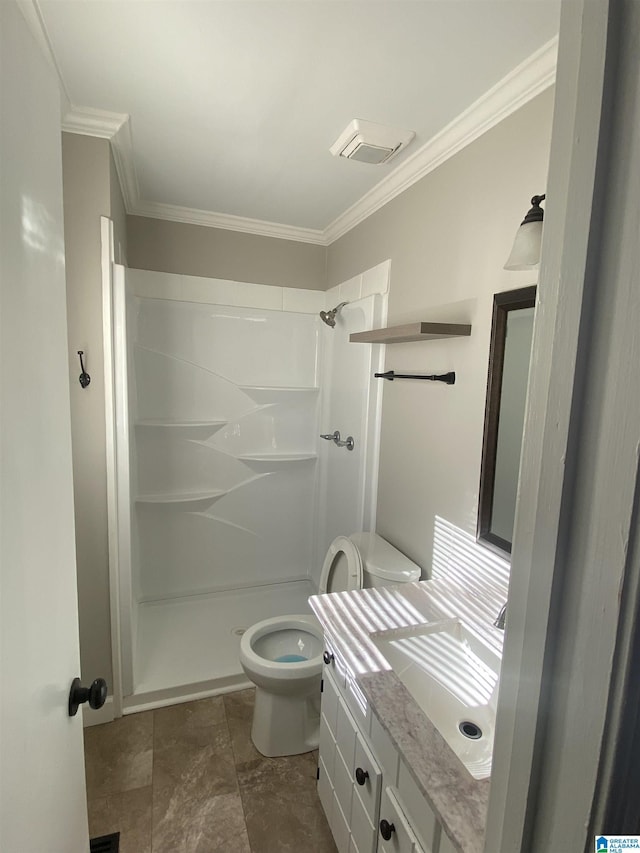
[503, 303]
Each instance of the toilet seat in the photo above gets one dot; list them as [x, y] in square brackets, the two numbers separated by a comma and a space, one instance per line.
[342, 568]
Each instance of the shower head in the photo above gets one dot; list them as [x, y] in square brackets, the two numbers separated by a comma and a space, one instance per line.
[329, 317]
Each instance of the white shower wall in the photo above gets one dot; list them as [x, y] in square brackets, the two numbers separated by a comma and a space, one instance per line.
[227, 416]
[233, 496]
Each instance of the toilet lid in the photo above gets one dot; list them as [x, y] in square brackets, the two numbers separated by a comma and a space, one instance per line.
[342, 569]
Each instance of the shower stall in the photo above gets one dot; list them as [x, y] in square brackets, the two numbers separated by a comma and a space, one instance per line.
[223, 496]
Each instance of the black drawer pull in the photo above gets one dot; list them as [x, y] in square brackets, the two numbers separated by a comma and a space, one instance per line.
[386, 829]
[361, 776]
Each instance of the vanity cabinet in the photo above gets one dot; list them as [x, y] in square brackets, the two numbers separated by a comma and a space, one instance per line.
[369, 797]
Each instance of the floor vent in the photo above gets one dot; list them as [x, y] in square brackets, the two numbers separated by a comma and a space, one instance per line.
[105, 844]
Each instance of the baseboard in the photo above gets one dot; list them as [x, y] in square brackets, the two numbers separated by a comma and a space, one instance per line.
[99, 716]
[187, 693]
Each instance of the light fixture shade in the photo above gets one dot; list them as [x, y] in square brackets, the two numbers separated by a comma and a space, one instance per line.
[525, 254]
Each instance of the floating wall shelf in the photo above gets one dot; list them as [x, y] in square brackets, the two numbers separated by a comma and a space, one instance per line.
[412, 332]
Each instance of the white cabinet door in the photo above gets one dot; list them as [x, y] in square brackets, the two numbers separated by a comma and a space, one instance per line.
[368, 779]
[339, 827]
[325, 789]
[424, 823]
[394, 832]
[446, 845]
[346, 731]
[42, 789]
[363, 831]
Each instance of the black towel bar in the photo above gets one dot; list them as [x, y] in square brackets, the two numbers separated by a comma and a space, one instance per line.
[448, 378]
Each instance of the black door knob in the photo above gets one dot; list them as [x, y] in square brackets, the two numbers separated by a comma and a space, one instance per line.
[386, 829]
[327, 657]
[96, 695]
[361, 776]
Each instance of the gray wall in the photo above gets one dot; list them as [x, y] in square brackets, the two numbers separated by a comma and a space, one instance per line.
[156, 244]
[90, 191]
[448, 237]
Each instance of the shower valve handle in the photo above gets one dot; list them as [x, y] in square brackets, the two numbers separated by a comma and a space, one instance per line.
[349, 443]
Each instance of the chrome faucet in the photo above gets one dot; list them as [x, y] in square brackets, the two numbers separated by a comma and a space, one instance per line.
[501, 618]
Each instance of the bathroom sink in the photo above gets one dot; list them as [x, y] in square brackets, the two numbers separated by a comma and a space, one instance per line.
[453, 677]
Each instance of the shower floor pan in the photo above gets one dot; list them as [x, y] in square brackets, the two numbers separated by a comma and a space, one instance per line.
[190, 647]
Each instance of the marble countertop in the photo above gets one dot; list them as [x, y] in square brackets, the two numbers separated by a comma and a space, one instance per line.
[349, 619]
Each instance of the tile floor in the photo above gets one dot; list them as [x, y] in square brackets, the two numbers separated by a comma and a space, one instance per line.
[187, 779]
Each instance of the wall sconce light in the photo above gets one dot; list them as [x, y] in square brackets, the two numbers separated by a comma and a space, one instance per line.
[525, 254]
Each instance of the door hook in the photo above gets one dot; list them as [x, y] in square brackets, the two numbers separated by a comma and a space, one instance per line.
[84, 379]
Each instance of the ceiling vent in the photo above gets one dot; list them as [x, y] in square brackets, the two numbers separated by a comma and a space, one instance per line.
[372, 143]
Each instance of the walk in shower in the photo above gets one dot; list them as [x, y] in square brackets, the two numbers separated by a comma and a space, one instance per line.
[225, 497]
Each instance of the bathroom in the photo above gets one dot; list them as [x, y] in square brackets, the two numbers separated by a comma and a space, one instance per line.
[430, 434]
[442, 243]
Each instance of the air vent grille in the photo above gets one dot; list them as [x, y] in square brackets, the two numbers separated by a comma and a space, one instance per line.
[370, 143]
[105, 844]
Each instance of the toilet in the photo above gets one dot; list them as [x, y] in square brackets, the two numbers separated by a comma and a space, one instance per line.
[283, 656]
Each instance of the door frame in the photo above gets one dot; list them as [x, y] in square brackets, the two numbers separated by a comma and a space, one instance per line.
[111, 459]
[575, 569]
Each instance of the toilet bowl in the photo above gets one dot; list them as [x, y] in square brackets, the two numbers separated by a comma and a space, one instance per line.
[283, 656]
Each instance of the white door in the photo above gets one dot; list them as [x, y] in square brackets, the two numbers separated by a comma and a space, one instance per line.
[42, 790]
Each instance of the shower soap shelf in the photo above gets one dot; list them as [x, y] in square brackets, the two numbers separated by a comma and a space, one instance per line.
[276, 457]
[412, 332]
[181, 424]
[180, 497]
[269, 393]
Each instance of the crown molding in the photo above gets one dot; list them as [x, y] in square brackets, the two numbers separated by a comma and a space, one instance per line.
[91, 122]
[122, 148]
[192, 216]
[527, 80]
[521, 85]
[116, 127]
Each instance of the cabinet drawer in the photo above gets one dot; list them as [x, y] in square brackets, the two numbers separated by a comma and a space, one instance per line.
[357, 704]
[363, 832]
[329, 699]
[369, 793]
[325, 790]
[402, 839]
[342, 784]
[423, 820]
[326, 745]
[339, 827]
[385, 752]
[335, 666]
[346, 733]
[446, 845]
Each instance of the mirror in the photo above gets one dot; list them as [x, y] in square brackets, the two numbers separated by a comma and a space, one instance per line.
[509, 356]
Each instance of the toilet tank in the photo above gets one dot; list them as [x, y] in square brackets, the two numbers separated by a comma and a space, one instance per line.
[382, 564]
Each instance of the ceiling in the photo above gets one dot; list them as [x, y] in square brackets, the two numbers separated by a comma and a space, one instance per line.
[233, 104]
